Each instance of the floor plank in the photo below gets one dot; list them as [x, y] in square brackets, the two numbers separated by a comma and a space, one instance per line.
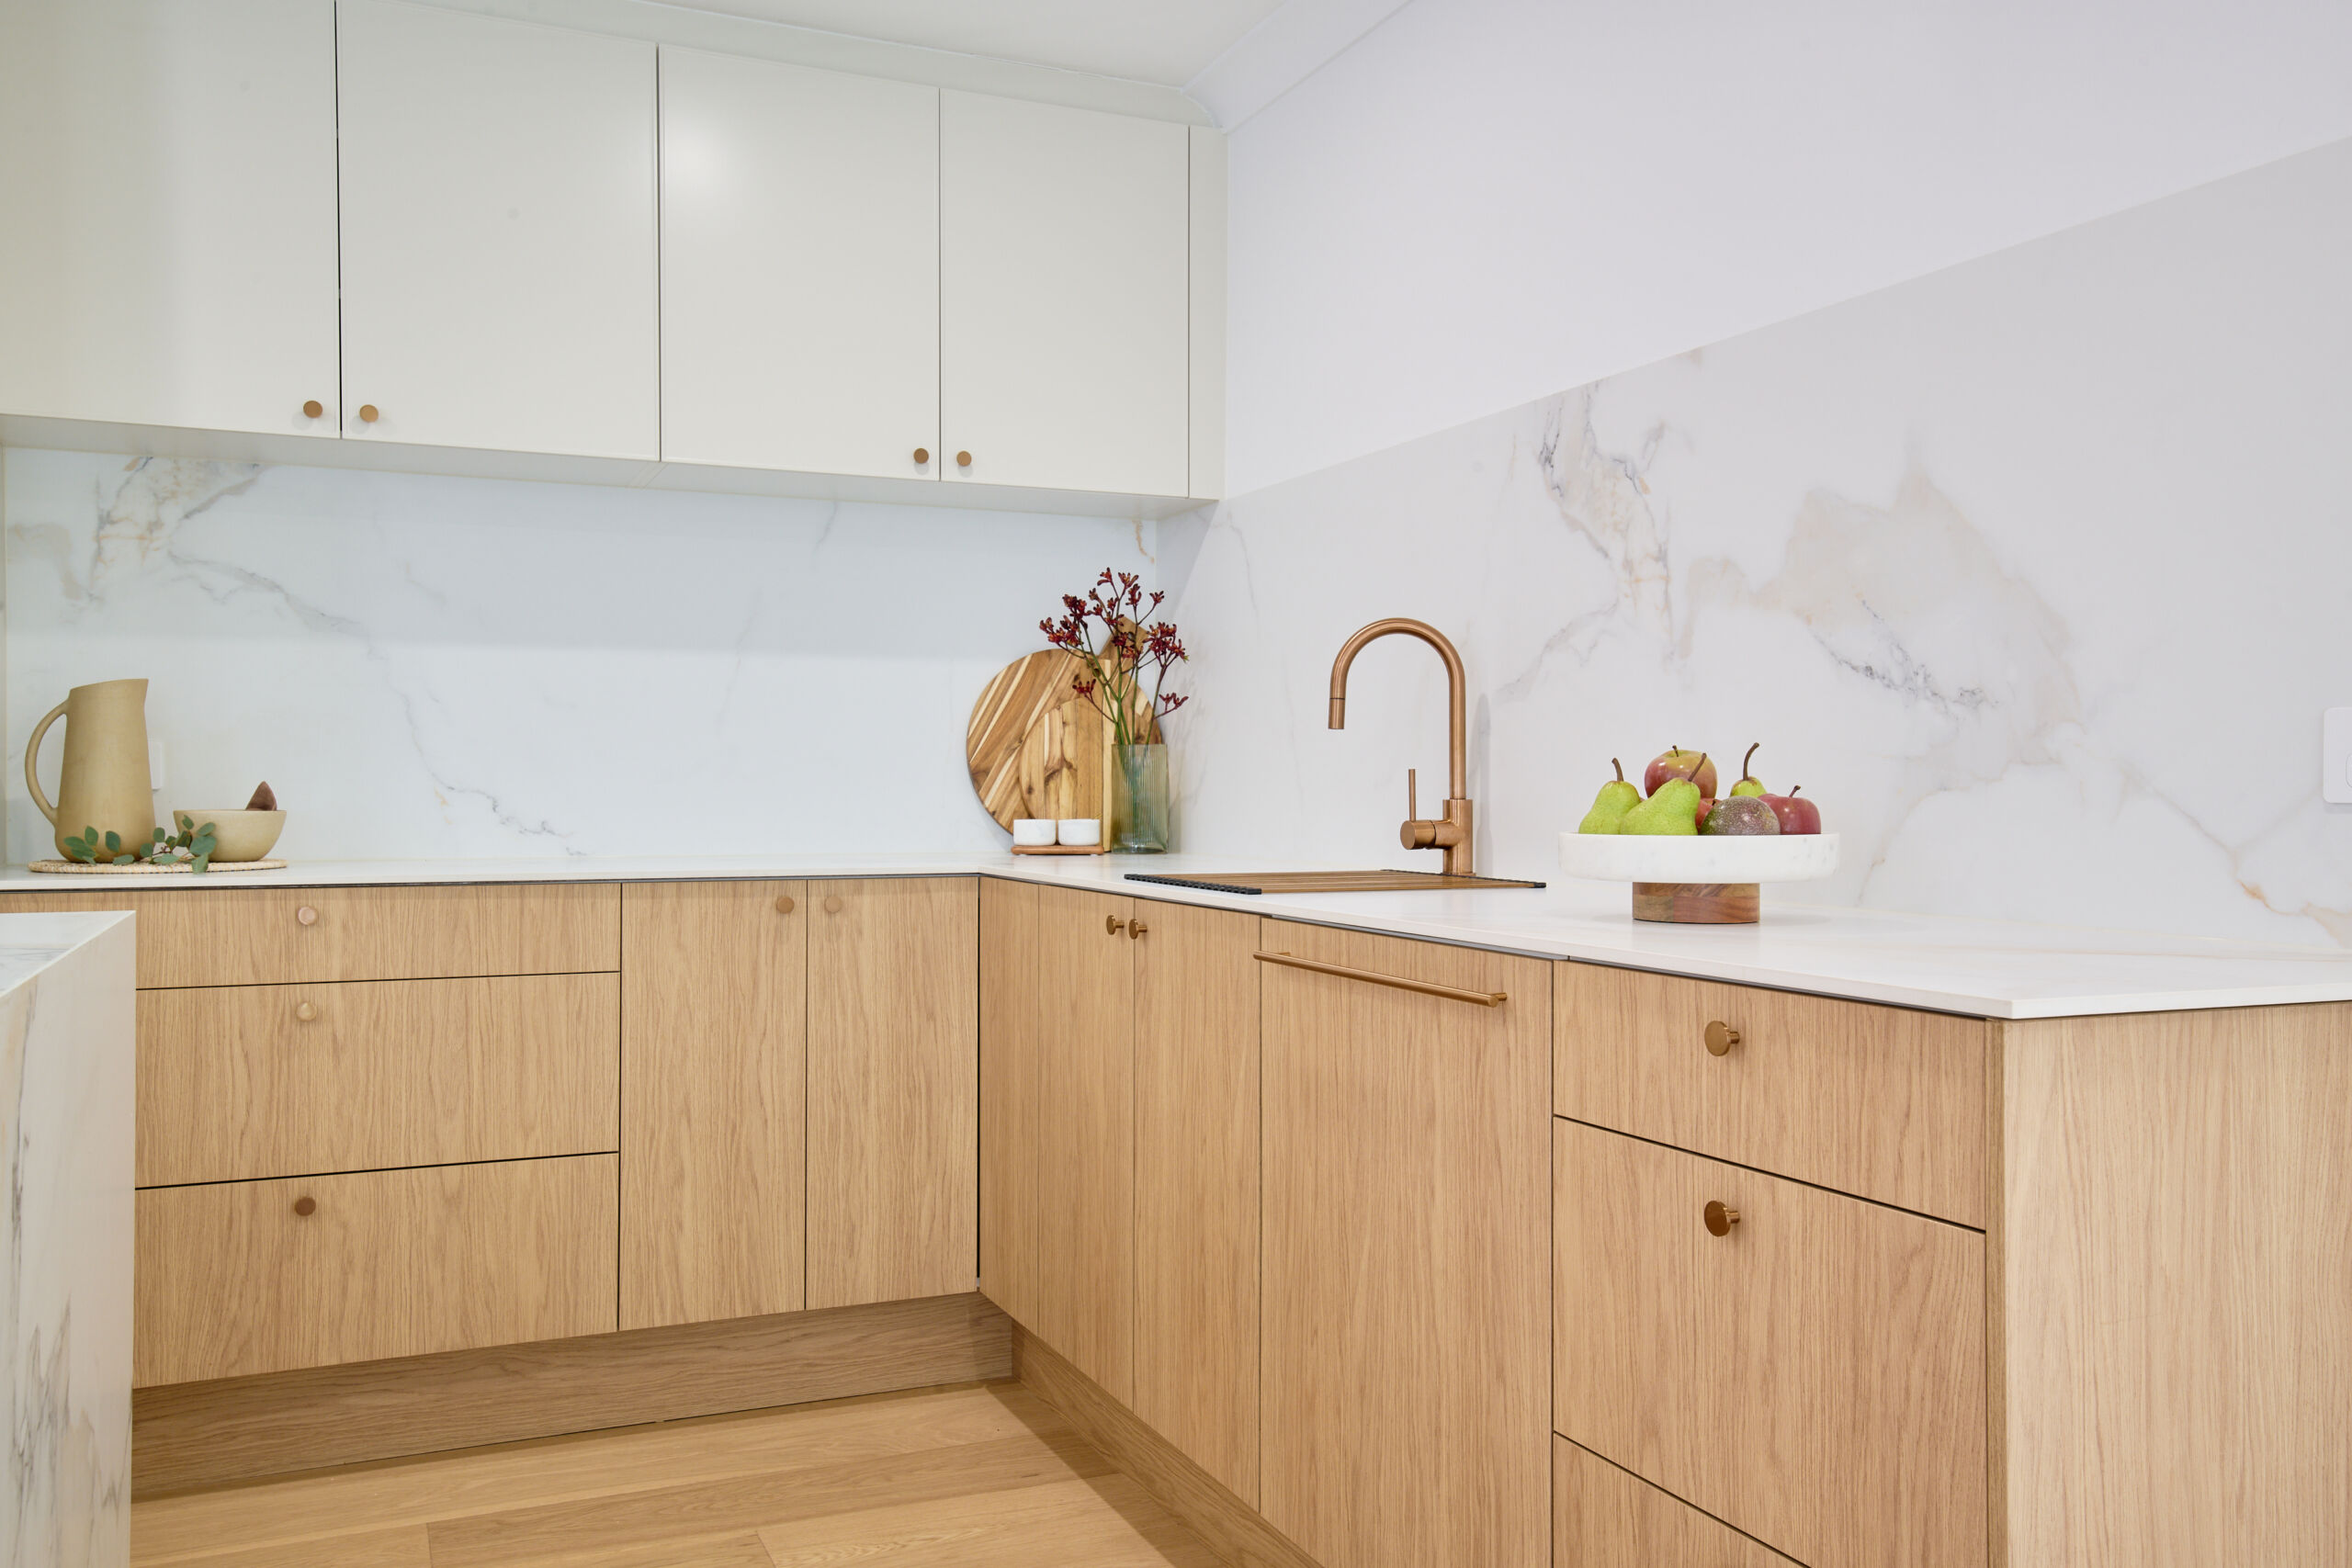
[982, 1476]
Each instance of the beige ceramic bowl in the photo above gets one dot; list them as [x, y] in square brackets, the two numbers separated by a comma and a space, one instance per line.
[236, 835]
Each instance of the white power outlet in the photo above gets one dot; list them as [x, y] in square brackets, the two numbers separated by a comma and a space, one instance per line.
[2335, 752]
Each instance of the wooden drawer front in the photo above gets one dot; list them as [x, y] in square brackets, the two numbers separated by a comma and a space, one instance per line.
[1885, 1102]
[227, 936]
[231, 1280]
[1814, 1378]
[249, 1081]
[1603, 1517]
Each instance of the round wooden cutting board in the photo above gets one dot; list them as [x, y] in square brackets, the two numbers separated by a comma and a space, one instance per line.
[1036, 748]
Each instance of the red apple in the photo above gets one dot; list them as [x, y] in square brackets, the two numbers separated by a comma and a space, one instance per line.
[1796, 816]
[1705, 806]
[1676, 763]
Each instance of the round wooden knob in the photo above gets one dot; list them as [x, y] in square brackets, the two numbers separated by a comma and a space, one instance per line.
[313, 409]
[963, 460]
[307, 915]
[922, 454]
[1719, 1219]
[832, 903]
[368, 414]
[306, 1207]
[1721, 1038]
[1112, 925]
[783, 904]
[306, 1012]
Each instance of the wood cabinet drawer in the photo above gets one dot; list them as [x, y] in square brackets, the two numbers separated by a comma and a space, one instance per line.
[244, 1081]
[1885, 1102]
[1603, 1517]
[1814, 1377]
[232, 1280]
[260, 936]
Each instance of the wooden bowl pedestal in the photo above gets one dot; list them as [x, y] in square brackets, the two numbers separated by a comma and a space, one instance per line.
[1696, 902]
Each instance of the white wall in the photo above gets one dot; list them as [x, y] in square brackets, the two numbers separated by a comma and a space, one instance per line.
[2032, 572]
[425, 666]
[1484, 201]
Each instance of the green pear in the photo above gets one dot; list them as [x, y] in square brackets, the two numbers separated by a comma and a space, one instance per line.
[1609, 807]
[1750, 784]
[1673, 810]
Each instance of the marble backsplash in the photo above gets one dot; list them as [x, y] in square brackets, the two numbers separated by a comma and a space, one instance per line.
[425, 666]
[2033, 571]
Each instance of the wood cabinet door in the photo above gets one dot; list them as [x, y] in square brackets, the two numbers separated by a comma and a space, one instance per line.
[893, 1088]
[168, 176]
[799, 268]
[1407, 1244]
[499, 248]
[1064, 303]
[1196, 1185]
[1814, 1376]
[714, 1126]
[1058, 1122]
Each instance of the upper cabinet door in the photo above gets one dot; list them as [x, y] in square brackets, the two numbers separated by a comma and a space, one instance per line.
[799, 268]
[499, 248]
[1063, 297]
[168, 255]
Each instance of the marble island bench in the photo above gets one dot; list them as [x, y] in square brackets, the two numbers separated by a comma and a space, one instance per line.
[2025, 1243]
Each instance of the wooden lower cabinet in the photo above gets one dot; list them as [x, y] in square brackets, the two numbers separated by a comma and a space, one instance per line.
[1196, 1185]
[1814, 1376]
[893, 1088]
[1603, 1517]
[262, 1276]
[1407, 1244]
[1058, 1122]
[714, 1073]
[237, 1082]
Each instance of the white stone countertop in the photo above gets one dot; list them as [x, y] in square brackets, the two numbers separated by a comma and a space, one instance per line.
[31, 943]
[1983, 968]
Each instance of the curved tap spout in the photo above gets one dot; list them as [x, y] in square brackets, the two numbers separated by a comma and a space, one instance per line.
[1452, 833]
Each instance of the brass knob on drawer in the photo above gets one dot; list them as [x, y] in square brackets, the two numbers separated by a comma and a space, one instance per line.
[368, 414]
[1721, 1038]
[923, 454]
[306, 1207]
[963, 460]
[1136, 928]
[313, 409]
[832, 903]
[306, 1012]
[783, 904]
[1719, 1219]
[1112, 925]
[307, 916]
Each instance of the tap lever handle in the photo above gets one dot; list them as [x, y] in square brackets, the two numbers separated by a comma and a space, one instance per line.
[1412, 794]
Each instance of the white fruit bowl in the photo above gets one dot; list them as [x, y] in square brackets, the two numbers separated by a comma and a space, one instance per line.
[1642, 857]
[1697, 881]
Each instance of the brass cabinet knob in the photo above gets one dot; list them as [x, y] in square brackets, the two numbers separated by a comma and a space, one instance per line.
[832, 903]
[783, 904]
[306, 1012]
[922, 454]
[1721, 1038]
[313, 409]
[368, 414]
[1719, 1219]
[963, 460]
[306, 1207]
[1136, 928]
[1112, 925]
[307, 915]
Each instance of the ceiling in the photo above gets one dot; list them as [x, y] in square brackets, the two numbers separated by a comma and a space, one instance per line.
[1166, 42]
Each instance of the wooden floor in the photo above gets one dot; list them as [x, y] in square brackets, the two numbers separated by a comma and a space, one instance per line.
[978, 1476]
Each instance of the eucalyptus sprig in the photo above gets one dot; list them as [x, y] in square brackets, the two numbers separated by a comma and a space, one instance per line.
[192, 846]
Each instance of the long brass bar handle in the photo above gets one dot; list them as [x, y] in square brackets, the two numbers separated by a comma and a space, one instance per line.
[1426, 987]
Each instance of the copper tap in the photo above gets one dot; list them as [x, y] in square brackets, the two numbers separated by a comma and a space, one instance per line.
[1452, 831]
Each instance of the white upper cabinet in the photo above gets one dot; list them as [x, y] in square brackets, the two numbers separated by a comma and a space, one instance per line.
[799, 268]
[167, 212]
[499, 246]
[1063, 297]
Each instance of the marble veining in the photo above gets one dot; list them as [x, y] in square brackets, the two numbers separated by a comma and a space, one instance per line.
[66, 1090]
[2032, 572]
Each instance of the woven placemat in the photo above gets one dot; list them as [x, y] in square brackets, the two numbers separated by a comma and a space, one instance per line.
[148, 868]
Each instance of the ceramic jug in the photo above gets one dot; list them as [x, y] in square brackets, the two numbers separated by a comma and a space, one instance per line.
[105, 783]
